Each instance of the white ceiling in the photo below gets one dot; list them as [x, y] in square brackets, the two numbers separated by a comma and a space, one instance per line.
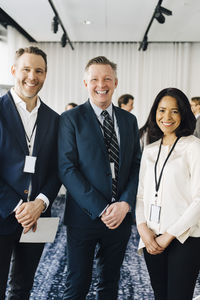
[112, 20]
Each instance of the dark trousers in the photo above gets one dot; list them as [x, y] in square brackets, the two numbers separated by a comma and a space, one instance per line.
[173, 273]
[25, 258]
[81, 245]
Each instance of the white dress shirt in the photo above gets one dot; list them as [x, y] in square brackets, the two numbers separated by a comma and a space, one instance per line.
[179, 192]
[28, 120]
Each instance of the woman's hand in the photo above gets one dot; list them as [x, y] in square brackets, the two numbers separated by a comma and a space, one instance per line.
[165, 239]
[149, 239]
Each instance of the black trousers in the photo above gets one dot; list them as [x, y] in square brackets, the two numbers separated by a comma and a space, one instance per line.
[81, 245]
[173, 273]
[24, 259]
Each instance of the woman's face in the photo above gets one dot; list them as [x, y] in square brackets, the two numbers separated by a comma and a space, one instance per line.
[168, 117]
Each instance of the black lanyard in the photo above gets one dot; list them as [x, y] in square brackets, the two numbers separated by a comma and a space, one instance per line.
[157, 182]
[29, 139]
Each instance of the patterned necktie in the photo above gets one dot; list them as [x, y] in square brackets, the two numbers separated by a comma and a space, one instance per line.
[112, 148]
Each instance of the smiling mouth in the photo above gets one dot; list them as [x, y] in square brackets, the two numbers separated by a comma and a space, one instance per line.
[30, 85]
[167, 124]
[101, 92]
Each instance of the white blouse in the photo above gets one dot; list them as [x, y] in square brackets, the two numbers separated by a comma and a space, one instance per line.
[179, 192]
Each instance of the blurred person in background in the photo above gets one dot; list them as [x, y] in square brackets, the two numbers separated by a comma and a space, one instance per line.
[126, 102]
[195, 106]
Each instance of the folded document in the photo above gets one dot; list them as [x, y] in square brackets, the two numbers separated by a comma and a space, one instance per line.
[45, 232]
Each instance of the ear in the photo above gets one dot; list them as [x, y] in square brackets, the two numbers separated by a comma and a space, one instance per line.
[116, 82]
[13, 69]
[85, 83]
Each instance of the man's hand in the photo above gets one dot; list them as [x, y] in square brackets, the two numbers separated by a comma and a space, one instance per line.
[149, 239]
[115, 214]
[28, 213]
[165, 239]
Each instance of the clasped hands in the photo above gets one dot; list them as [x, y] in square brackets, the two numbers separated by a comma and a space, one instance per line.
[154, 244]
[115, 214]
[28, 213]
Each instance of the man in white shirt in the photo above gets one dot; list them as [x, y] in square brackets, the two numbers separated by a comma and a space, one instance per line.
[28, 172]
[195, 106]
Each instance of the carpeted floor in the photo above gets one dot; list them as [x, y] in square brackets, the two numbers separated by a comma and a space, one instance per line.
[51, 273]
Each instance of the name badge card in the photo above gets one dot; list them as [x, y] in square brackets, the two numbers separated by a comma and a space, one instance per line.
[155, 213]
[29, 166]
[112, 167]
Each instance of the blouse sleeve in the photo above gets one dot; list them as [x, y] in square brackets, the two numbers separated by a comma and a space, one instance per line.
[191, 216]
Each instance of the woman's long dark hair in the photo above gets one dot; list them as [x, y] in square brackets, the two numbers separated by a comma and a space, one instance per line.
[188, 120]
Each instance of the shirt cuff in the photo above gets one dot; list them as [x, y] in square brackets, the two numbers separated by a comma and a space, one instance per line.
[103, 210]
[18, 205]
[45, 200]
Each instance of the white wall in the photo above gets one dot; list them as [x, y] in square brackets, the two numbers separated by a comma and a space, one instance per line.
[142, 74]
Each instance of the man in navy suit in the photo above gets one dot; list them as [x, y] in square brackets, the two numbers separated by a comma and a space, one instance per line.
[28, 170]
[94, 217]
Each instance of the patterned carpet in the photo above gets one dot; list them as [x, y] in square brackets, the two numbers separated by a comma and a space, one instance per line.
[51, 273]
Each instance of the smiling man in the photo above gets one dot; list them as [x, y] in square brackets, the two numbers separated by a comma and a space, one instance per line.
[28, 170]
[99, 157]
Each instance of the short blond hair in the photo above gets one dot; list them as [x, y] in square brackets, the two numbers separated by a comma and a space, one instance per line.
[101, 60]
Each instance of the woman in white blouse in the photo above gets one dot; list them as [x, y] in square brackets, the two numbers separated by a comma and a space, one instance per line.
[168, 200]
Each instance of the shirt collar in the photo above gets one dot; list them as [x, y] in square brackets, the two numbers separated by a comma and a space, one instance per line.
[197, 116]
[21, 103]
[99, 110]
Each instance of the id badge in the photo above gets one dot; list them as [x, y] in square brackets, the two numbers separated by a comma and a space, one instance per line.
[29, 166]
[155, 213]
[112, 167]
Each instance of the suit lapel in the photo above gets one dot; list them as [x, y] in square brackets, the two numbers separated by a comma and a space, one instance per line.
[95, 126]
[41, 129]
[14, 122]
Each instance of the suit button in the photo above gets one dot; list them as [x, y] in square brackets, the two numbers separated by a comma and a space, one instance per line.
[25, 191]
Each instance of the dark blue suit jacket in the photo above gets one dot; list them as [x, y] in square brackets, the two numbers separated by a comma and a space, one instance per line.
[14, 183]
[84, 166]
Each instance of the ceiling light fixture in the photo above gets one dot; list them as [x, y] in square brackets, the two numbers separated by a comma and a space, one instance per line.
[57, 21]
[145, 43]
[63, 40]
[55, 24]
[158, 15]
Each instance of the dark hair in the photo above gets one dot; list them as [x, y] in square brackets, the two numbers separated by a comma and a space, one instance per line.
[196, 100]
[102, 60]
[124, 99]
[31, 50]
[188, 120]
[145, 130]
[72, 104]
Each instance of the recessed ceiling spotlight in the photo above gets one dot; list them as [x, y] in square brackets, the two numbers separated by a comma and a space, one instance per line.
[87, 22]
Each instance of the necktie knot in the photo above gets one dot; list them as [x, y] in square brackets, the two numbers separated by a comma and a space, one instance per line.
[104, 113]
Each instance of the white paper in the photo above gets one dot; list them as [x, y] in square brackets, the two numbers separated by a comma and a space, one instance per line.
[45, 232]
[29, 166]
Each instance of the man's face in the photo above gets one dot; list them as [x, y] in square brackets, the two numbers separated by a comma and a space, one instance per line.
[195, 107]
[101, 82]
[68, 107]
[29, 72]
[128, 106]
